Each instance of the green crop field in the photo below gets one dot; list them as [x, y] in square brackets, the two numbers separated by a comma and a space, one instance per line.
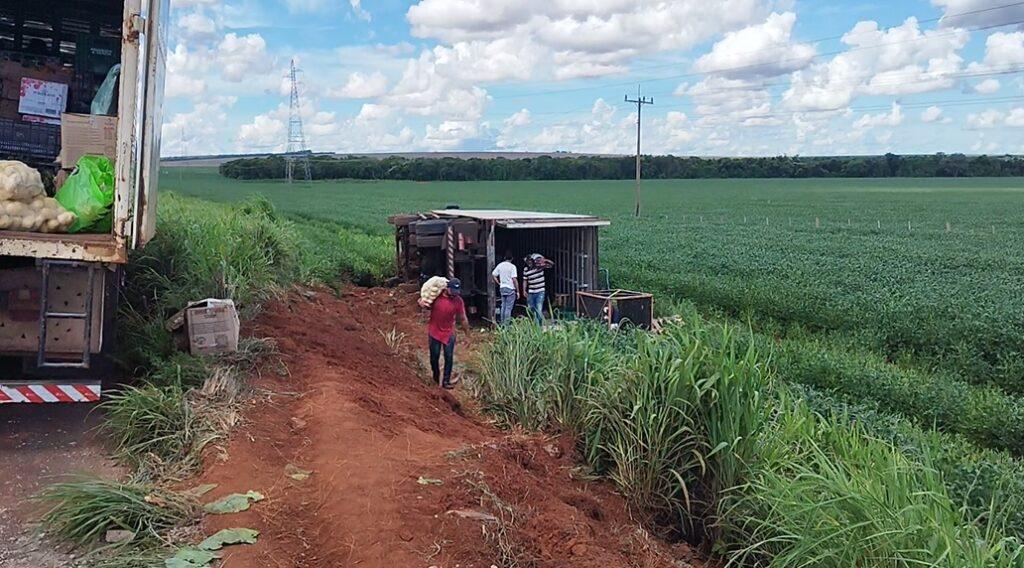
[925, 321]
[870, 260]
[895, 303]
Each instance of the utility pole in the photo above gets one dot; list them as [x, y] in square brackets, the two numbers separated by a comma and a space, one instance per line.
[640, 102]
[184, 153]
[296, 150]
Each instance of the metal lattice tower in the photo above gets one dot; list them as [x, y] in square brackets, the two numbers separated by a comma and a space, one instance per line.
[296, 152]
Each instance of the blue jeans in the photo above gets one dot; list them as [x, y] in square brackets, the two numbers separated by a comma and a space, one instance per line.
[508, 300]
[536, 302]
[436, 347]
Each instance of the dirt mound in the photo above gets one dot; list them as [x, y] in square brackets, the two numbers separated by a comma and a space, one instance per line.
[403, 474]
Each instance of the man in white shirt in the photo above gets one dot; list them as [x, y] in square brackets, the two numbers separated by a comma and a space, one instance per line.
[505, 275]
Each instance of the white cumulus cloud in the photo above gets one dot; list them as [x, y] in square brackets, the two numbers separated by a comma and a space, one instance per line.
[583, 38]
[240, 57]
[899, 60]
[987, 87]
[892, 118]
[989, 118]
[520, 118]
[965, 13]
[933, 114]
[1015, 118]
[762, 50]
[361, 86]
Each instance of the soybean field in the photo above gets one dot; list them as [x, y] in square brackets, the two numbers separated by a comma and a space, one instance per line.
[887, 285]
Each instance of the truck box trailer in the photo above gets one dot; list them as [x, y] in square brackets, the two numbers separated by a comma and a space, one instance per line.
[58, 292]
[466, 244]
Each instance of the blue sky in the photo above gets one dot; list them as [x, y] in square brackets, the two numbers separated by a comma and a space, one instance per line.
[728, 77]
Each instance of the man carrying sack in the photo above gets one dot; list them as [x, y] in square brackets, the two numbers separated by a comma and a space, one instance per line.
[444, 310]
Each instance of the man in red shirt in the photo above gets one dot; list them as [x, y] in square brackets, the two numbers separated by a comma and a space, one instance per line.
[441, 329]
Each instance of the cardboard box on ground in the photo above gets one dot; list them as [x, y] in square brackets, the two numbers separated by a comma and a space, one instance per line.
[211, 326]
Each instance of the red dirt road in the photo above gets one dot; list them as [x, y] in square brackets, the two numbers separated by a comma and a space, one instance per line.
[368, 426]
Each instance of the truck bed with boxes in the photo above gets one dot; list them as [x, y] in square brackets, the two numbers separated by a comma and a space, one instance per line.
[77, 78]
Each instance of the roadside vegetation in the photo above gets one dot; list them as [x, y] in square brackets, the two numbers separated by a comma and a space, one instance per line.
[176, 405]
[909, 332]
[696, 429]
[798, 396]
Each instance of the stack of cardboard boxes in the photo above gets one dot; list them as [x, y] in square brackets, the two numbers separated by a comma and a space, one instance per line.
[34, 94]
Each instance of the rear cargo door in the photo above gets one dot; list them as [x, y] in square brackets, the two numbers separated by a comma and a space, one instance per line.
[151, 74]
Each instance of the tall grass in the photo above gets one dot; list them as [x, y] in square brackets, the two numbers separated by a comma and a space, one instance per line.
[827, 494]
[246, 252]
[692, 429]
[672, 420]
[974, 477]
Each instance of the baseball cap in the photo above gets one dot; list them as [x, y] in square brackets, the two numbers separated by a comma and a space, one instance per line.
[455, 286]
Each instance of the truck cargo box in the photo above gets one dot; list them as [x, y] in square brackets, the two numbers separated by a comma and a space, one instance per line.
[140, 28]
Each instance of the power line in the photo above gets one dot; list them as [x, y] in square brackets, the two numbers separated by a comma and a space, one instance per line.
[856, 34]
[750, 66]
[749, 87]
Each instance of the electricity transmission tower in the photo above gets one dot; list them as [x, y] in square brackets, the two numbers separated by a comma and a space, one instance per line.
[296, 153]
[640, 102]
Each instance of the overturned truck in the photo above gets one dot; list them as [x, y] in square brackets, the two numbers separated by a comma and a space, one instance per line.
[468, 244]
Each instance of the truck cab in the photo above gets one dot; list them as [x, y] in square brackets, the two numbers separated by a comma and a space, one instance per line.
[58, 292]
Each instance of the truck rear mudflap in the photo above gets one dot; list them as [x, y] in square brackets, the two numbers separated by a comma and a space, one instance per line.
[39, 393]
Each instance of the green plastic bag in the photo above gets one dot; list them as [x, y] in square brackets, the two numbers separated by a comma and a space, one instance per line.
[89, 194]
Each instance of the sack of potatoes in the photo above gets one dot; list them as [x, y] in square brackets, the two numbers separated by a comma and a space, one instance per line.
[431, 289]
[24, 205]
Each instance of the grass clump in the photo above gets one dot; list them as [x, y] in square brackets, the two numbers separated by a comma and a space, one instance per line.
[156, 429]
[81, 511]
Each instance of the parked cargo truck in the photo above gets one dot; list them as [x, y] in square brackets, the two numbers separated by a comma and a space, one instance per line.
[58, 292]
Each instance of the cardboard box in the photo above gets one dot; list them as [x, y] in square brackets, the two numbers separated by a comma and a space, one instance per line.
[12, 73]
[212, 326]
[83, 134]
[9, 109]
[42, 98]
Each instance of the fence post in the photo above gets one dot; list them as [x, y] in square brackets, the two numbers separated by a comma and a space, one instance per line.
[817, 223]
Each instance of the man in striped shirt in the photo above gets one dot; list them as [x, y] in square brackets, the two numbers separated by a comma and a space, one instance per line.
[534, 286]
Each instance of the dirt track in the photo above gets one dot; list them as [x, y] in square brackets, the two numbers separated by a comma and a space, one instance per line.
[368, 426]
[41, 444]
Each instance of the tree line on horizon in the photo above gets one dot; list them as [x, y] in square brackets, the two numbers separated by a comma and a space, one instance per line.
[622, 168]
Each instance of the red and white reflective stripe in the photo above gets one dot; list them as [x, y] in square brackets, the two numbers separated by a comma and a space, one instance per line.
[49, 393]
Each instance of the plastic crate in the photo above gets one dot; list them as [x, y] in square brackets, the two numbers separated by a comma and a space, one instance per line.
[29, 139]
